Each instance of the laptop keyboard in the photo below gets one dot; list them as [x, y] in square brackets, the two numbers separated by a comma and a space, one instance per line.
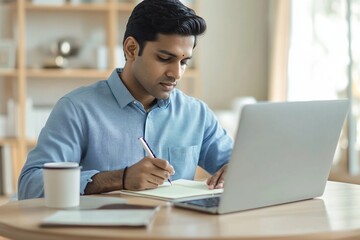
[206, 202]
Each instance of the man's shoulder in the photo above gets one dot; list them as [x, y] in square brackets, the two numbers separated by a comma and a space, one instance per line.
[85, 97]
[87, 91]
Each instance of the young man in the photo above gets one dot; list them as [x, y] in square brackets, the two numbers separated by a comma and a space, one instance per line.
[98, 126]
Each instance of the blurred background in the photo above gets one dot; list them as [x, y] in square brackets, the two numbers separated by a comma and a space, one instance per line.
[253, 50]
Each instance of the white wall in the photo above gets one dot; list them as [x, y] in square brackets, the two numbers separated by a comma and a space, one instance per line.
[233, 53]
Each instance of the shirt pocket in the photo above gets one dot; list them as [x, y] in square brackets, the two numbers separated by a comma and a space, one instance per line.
[184, 160]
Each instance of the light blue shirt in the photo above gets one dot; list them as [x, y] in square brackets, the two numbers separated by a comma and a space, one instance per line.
[98, 126]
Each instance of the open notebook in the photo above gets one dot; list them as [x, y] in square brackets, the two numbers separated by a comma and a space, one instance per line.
[180, 189]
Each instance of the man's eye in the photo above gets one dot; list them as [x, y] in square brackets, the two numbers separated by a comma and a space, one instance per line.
[184, 63]
[162, 59]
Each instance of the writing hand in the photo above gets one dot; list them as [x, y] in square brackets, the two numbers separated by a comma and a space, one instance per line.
[217, 180]
[148, 173]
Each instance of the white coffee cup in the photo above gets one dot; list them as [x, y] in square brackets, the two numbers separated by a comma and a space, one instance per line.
[61, 184]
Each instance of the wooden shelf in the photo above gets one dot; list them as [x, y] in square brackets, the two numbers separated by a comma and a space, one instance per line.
[68, 73]
[94, 7]
[8, 4]
[82, 73]
[97, 7]
[125, 7]
[91, 7]
[8, 141]
[12, 141]
[8, 73]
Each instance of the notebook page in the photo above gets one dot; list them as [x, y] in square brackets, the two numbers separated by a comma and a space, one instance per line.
[181, 188]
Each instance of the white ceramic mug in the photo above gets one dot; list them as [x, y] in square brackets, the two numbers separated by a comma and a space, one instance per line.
[61, 184]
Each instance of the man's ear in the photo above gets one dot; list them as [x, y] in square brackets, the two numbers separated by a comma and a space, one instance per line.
[131, 48]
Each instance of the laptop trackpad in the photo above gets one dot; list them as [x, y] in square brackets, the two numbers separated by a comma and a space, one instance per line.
[205, 202]
[209, 205]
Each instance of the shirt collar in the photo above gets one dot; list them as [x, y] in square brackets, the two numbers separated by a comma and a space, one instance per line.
[122, 94]
[163, 103]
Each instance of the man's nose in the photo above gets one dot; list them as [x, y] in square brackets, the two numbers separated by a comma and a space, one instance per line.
[175, 71]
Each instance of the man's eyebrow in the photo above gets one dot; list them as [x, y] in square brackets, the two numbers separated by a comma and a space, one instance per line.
[171, 54]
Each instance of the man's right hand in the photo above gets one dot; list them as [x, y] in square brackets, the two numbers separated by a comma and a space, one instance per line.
[147, 174]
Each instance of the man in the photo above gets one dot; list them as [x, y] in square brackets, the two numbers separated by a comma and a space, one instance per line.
[98, 126]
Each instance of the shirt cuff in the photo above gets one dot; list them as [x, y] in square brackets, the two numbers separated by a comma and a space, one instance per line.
[85, 178]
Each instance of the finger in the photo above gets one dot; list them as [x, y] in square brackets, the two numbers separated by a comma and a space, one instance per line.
[212, 181]
[219, 185]
[171, 169]
[160, 163]
[220, 182]
[162, 174]
[208, 180]
[217, 180]
[149, 167]
[209, 183]
[155, 180]
[221, 179]
[138, 174]
[163, 164]
[150, 185]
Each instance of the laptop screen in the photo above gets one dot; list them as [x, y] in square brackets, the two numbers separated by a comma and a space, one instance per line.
[283, 153]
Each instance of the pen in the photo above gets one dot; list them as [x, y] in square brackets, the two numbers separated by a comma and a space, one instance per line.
[148, 150]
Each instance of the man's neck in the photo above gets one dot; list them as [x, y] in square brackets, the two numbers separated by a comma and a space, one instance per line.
[146, 100]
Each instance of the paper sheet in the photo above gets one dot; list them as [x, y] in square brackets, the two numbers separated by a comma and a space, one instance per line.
[180, 189]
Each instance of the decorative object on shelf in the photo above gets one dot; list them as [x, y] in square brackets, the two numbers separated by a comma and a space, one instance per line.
[7, 54]
[12, 118]
[61, 50]
[102, 57]
[3, 122]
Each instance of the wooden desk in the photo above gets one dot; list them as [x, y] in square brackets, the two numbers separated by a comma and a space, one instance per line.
[336, 215]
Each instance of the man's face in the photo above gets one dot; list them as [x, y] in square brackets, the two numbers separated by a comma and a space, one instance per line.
[161, 65]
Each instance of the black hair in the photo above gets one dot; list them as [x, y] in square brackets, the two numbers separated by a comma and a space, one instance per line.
[152, 17]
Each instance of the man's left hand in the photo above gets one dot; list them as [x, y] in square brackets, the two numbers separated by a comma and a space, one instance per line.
[217, 180]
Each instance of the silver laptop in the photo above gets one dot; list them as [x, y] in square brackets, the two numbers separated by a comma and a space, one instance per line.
[283, 153]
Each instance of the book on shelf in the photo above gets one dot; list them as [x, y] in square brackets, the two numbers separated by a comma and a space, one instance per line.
[36, 117]
[179, 190]
[3, 125]
[12, 118]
